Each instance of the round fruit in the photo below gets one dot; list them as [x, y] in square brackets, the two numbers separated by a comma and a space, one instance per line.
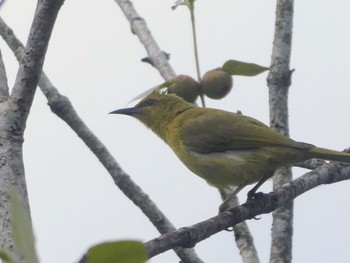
[185, 87]
[216, 84]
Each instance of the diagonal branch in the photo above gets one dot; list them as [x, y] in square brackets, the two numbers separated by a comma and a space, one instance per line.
[62, 107]
[190, 236]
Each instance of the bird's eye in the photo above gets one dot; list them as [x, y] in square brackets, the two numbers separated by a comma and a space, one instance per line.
[150, 102]
[147, 103]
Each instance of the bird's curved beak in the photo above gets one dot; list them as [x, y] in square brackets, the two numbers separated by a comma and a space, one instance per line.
[126, 111]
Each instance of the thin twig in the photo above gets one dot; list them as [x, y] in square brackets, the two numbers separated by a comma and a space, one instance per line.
[194, 35]
[195, 48]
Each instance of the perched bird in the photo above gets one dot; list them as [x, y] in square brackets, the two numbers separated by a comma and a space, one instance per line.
[224, 148]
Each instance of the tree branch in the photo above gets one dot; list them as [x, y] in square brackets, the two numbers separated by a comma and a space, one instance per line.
[139, 28]
[190, 236]
[62, 107]
[13, 116]
[279, 80]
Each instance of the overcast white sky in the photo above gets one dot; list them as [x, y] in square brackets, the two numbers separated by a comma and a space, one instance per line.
[95, 60]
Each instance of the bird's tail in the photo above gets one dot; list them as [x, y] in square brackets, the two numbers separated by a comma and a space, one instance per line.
[330, 155]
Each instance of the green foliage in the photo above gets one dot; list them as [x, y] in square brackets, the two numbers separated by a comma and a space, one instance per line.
[118, 252]
[235, 67]
[22, 229]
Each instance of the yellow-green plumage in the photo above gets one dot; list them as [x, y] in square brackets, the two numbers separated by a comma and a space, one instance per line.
[224, 148]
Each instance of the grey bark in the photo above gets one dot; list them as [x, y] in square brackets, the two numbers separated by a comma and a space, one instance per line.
[14, 110]
[279, 80]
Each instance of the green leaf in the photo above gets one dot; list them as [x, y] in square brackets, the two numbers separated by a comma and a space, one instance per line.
[235, 67]
[22, 229]
[6, 257]
[118, 252]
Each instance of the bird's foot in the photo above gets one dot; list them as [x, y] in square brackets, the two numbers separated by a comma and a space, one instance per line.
[255, 196]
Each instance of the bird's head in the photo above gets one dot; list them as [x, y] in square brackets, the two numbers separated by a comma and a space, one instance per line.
[157, 110]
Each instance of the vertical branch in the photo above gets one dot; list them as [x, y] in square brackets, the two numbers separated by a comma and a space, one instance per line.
[13, 116]
[195, 47]
[278, 81]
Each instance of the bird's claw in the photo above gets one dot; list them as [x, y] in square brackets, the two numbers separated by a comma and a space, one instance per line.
[229, 229]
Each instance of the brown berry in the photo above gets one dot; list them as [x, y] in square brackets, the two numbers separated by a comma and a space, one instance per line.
[185, 87]
[216, 84]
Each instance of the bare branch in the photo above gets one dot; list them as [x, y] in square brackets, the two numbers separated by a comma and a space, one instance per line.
[190, 236]
[4, 89]
[139, 28]
[12, 41]
[279, 80]
[62, 107]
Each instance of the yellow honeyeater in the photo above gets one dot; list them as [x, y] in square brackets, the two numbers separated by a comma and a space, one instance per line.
[224, 148]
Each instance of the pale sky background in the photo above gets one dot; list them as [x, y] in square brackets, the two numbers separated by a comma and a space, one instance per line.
[95, 60]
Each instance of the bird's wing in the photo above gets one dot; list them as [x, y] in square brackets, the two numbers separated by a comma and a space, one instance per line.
[211, 130]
